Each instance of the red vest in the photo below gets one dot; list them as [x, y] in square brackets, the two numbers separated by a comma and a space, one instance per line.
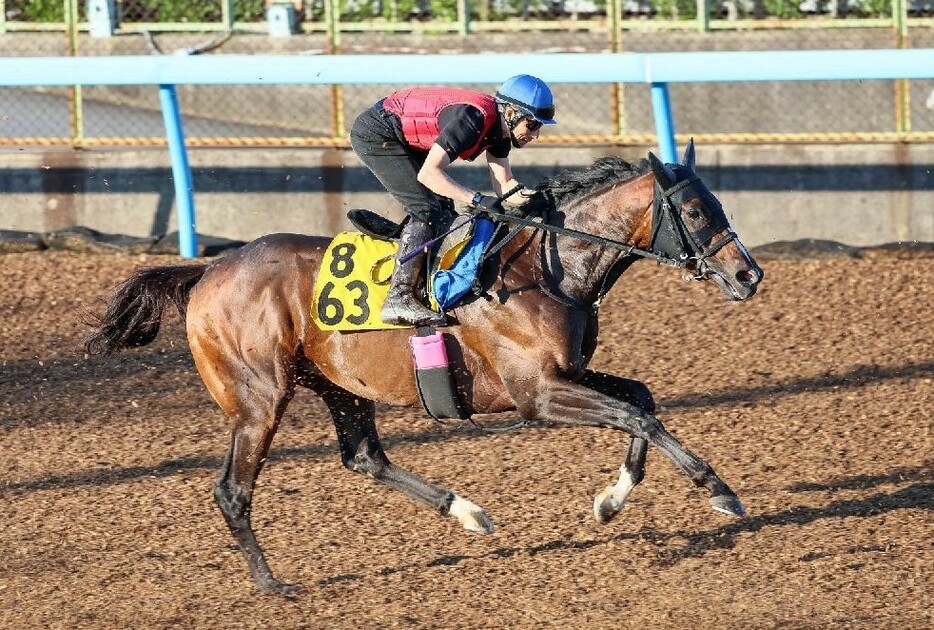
[418, 109]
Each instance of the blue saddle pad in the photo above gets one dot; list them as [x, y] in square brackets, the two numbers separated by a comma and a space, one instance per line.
[450, 285]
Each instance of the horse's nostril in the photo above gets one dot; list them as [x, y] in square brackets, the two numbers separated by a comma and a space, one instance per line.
[747, 276]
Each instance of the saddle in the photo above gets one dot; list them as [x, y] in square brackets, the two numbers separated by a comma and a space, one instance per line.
[375, 225]
[454, 265]
[453, 262]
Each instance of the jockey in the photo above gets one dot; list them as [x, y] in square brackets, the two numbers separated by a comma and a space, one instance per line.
[410, 137]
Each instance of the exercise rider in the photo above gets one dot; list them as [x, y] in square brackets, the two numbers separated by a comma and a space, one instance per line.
[410, 137]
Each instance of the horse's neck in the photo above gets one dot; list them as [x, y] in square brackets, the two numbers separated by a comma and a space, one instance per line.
[579, 268]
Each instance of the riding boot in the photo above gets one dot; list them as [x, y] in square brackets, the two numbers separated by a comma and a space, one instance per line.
[401, 305]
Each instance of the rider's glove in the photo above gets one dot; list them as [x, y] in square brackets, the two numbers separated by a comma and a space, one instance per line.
[481, 203]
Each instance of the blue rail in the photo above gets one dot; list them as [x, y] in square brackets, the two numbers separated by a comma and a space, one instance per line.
[181, 172]
[656, 69]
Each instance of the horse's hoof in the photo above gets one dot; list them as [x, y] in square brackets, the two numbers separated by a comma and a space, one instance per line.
[471, 516]
[606, 506]
[728, 504]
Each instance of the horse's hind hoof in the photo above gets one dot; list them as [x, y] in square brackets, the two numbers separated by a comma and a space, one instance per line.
[728, 504]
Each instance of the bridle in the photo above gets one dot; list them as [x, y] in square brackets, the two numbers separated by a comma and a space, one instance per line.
[670, 243]
[671, 238]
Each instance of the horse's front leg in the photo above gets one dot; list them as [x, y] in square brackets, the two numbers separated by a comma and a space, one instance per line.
[559, 401]
[608, 503]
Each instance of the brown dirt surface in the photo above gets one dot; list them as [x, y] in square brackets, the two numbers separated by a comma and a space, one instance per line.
[813, 401]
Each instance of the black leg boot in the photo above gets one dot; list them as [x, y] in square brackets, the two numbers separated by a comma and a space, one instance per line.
[401, 305]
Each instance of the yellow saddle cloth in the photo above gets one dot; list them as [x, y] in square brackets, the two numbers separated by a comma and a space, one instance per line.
[353, 280]
[352, 283]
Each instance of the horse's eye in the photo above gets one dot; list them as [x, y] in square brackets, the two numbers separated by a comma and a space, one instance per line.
[694, 213]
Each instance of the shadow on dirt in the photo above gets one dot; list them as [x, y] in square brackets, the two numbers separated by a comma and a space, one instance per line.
[697, 544]
[856, 377]
[919, 495]
[171, 467]
[66, 373]
[924, 472]
[167, 468]
[915, 496]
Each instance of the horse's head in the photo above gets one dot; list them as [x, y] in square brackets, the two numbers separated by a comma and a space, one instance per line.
[689, 226]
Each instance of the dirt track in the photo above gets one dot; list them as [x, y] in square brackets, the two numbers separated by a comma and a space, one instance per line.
[814, 401]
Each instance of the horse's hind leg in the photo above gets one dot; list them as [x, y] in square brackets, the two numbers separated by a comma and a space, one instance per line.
[255, 404]
[611, 500]
[361, 451]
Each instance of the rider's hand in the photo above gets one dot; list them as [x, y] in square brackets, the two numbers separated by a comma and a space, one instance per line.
[482, 203]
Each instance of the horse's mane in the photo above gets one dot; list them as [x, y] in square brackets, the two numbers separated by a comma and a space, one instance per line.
[573, 184]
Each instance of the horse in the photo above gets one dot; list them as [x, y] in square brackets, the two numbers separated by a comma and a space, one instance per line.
[522, 344]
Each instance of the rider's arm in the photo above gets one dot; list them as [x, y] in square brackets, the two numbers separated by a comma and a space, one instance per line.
[461, 127]
[501, 174]
[432, 176]
[503, 180]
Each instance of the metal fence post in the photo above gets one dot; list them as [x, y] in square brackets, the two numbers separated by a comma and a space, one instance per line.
[75, 110]
[181, 172]
[463, 17]
[332, 13]
[336, 92]
[228, 14]
[703, 15]
[902, 87]
[614, 13]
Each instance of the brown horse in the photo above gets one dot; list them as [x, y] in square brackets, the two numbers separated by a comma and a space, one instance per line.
[523, 346]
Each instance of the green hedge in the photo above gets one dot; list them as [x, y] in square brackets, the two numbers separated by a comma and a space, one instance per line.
[360, 10]
[144, 10]
[42, 11]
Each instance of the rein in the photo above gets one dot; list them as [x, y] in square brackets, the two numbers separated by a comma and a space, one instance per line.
[431, 242]
[681, 248]
[631, 250]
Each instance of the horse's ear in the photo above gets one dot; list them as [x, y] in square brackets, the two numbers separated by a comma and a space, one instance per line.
[688, 159]
[663, 173]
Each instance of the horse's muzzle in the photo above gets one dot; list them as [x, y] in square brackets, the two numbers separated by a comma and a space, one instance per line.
[736, 286]
[746, 282]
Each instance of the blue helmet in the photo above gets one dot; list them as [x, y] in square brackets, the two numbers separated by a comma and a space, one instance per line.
[529, 95]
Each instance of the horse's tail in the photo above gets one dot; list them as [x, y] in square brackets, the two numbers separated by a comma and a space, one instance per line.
[134, 311]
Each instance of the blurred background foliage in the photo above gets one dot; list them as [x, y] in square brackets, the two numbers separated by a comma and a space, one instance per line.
[52, 11]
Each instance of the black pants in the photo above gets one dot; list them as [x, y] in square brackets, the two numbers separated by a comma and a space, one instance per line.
[375, 138]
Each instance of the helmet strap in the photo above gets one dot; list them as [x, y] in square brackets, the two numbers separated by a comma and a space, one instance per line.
[512, 122]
